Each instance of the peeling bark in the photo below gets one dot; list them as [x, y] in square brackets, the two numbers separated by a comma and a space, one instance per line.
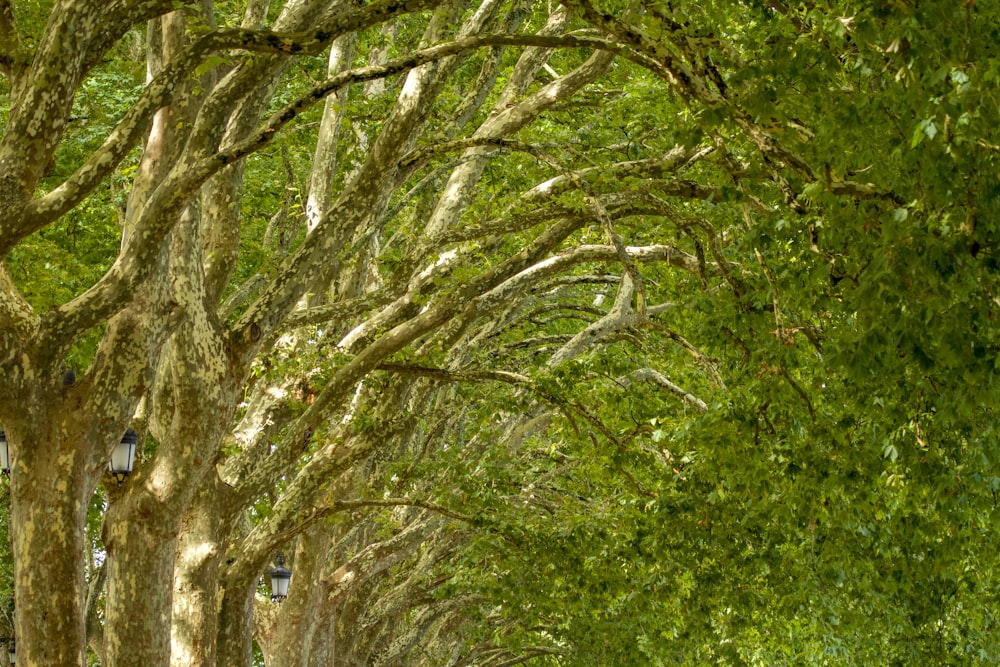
[48, 515]
[200, 549]
[181, 578]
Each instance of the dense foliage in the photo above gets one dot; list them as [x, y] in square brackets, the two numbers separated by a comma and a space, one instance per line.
[672, 342]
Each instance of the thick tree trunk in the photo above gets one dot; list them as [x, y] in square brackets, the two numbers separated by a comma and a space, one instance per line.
[297, 620]
[194, 628]
[50, 490]
[235, 642]
[137, 609]
[142, 531]
[324, 645]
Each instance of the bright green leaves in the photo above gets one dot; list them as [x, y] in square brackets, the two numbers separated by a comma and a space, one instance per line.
[925, 128]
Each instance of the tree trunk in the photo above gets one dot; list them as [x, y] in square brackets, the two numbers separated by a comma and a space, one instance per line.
[50, 490]
[324, 645]
[194, 627]
[137, 608]
[297, 619]
[235, 642]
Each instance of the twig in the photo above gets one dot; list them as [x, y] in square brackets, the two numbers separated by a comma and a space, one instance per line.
[778, 319]
[344, 505]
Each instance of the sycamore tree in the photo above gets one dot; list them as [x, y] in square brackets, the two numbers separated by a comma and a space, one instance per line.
[581, 334]
[237, 340]
[841, 492]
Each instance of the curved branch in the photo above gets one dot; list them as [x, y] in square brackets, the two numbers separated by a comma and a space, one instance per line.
[661, 380]
[620, 316]
[376, 558]
[158, 93]
[344, 505]
[17, 319]
[694, 87]
[677, 159]
[317, 251]
[589, 253]
[445, 375]
[342, 384]
[137, 259]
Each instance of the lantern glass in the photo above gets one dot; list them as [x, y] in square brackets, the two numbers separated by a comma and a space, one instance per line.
[123, 457]
[4, 453]
[280, 577]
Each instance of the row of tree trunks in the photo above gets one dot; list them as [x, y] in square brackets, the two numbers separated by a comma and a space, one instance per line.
[182, 568]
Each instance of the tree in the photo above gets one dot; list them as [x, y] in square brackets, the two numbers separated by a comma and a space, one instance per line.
[599, 332]
[174, 357]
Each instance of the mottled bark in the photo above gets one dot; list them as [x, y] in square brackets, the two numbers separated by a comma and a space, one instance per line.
[39, 113]
[235, 638]
[200, 549]
[508, 116]
[323, 651]
[291, 635]
[50, 490]
[140, 571]
[180, 583]
[198, 402]
[141, 528]
[324, 164]
[381, 633]
[422, 624]
[299, 495]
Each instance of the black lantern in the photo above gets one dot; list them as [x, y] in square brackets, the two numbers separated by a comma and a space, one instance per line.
[124, 456]
[11, 653]
[279, 579]
[4, 453]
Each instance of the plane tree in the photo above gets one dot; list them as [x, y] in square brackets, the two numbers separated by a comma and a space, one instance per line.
[619, 331]
[231, 343]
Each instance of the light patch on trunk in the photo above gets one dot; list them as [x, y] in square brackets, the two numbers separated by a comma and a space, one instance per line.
[343, 576]
[65, 461]
[411, 88]
[198, 553]
[160, 482]
[57, 527]
[28, 528]
[183, 652]
[355, 400]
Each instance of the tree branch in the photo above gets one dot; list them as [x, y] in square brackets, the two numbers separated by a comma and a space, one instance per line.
[344, 505]
[159, 91]
[444, 375]
[661, 380]
[136, 261]
[11, 59]
[621, 316]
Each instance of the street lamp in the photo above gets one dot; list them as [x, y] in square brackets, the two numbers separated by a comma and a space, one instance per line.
[123, 457]
[279, 579]
[4, 453]
[11, 653]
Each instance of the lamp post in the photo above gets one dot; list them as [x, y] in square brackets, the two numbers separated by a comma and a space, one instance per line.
[279, 579]
[4, 453]
[123, 457]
